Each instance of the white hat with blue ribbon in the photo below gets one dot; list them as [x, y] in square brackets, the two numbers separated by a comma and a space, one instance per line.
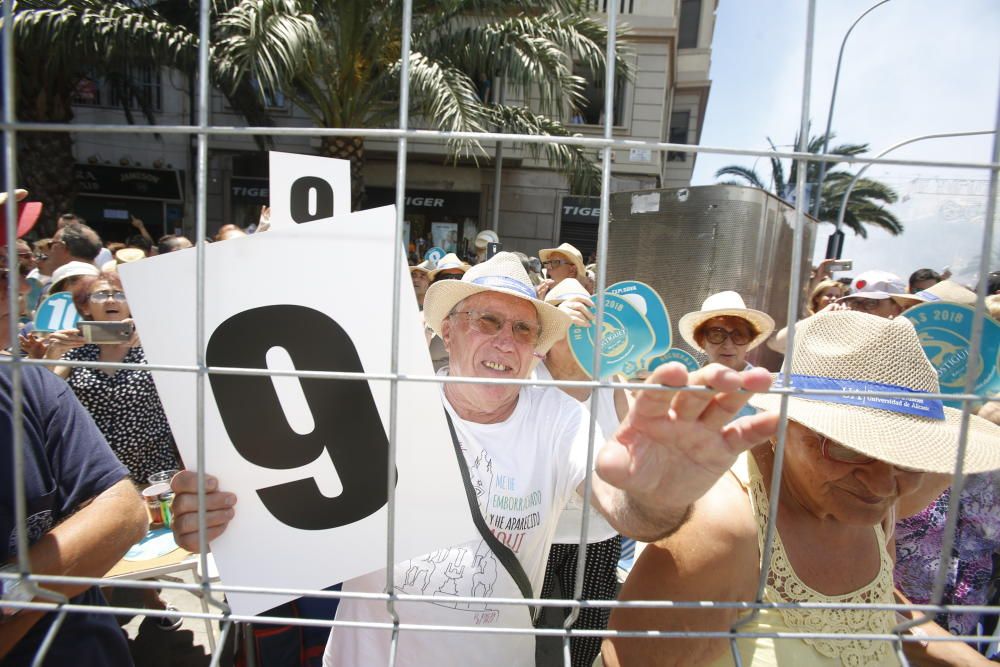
[503, 274]
[860, 354]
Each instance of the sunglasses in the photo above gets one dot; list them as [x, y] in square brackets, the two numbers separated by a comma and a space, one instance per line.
[448, 276]
[491, 324]
[838, 453]
[555, 262]
[864, 305]
[718, 335]
[106, 295]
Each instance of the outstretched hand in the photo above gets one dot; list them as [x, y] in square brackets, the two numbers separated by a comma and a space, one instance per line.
[674, 445]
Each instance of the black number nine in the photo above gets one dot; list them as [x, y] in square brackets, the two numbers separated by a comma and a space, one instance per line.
[347, 423]
[300, 199]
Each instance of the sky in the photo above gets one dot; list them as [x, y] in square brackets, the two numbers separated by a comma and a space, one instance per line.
[910, 68]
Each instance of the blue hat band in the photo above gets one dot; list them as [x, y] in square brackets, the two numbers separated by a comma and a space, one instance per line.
[859, 395]
[507, 283]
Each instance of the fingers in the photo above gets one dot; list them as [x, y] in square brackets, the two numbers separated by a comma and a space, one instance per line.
[218, 509]
[689, 405]
[723, 407]
[651, 404]
[747, 432]
[578, 311]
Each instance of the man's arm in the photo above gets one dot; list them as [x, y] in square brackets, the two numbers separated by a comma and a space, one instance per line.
[86, 544]
[673, 446]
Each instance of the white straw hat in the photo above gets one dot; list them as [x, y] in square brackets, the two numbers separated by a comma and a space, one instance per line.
[449, 261]
[503, 274]
[424, 266]
[725, 304]
[570, 288]
[570, 252]
[70, 270]
[486, 237]
[861, 353]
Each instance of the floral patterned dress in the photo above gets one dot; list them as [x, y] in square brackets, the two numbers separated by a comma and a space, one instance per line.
[127, 409]
[919, 542]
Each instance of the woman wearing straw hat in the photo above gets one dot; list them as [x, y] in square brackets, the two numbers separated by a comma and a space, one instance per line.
[851, 463]
[725, 329]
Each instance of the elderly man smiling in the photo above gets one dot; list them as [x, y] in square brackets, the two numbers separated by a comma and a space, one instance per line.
[524, 449]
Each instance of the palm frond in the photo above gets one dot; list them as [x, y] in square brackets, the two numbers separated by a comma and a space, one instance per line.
[573, 161]
[748, 175]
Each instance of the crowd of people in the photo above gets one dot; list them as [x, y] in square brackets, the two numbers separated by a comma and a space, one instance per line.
[864, 485]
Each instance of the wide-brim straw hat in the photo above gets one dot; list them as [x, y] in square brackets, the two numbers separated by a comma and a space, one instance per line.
[126, 255]
[570, 252]
[570, 288]
[424, 267]
[864, 353]
[949, 291]
[486, 237]
[449, 261]
[27, 214]
[725, 304]
[502, 274]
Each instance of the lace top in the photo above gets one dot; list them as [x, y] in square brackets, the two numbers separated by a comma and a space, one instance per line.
[784, 585]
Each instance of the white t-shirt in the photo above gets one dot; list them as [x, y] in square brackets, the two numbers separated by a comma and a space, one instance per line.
[570, 521]
[524, 471]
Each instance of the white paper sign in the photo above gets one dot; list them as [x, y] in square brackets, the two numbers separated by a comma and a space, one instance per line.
[306, 459]
[646, 203]
[307, 187]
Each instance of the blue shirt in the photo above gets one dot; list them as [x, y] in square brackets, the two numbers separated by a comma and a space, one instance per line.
[66, 463]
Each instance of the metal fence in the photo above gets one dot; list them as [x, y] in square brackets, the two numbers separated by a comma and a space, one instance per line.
[202, 130]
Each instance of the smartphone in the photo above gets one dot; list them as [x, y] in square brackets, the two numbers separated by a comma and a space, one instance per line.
[841, 265]
[105, 333]
[492, 249]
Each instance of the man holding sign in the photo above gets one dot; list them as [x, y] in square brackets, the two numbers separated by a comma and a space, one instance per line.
[524, 450]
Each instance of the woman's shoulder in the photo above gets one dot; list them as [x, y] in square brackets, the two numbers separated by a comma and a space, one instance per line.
[716, 549]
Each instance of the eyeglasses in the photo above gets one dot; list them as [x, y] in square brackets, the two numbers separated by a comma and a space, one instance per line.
[838, 453]
[106, 295]
[41, 257]
[555, 262]
[718, 335]
[866, 305]
[491, 324]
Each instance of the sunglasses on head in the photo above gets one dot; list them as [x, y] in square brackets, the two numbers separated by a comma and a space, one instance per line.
[448, 276]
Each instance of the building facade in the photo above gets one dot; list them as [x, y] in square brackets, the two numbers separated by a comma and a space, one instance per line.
[150, 176]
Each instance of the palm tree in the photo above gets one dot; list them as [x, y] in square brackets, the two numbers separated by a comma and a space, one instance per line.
[86, 38]
[339, 61]
[866, 205]
[350, 75]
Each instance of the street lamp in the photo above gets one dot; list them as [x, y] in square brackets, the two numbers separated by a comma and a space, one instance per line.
[836, 241]
[850, 186]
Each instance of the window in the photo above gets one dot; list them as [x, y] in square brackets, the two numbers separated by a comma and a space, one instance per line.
[137, 84]
[689, 24]
[592, 112]
[273, 101]
[679, 123]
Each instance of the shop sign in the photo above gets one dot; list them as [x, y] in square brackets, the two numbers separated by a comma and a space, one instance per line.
[135, 182]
